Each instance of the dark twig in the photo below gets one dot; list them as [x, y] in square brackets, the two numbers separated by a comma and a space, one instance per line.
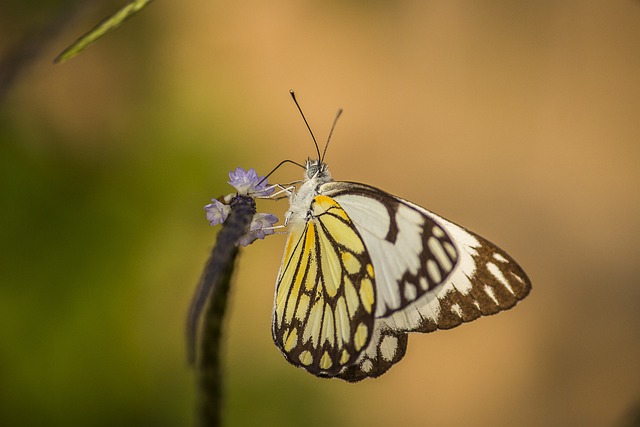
[214, 288]
[210, 366]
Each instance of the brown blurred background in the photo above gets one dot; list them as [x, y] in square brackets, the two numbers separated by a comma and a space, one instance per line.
[518, 120]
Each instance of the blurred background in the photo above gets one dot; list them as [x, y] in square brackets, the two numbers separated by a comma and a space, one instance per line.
[518, 120]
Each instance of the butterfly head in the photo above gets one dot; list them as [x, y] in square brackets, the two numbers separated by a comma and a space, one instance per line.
[317, 170]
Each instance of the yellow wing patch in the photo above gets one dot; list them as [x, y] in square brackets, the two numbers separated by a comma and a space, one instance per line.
[325, 292]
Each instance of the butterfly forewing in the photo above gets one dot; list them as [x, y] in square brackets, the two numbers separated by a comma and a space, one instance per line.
[325, 292]
[430, 273]
[412, 254]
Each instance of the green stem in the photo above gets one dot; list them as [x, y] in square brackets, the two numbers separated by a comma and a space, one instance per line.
[103, 28]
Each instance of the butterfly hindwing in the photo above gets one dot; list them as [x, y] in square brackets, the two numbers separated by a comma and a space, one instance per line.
[325, 292]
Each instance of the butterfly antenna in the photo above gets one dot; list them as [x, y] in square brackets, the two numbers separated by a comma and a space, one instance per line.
[333, 126]
[293, 95]
[277, 167]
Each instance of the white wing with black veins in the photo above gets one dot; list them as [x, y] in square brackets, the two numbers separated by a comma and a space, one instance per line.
[429, 273]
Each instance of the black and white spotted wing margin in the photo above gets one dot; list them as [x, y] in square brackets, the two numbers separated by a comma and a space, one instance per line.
[430, 273]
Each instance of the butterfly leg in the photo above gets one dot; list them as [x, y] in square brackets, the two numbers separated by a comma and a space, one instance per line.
[284, 192]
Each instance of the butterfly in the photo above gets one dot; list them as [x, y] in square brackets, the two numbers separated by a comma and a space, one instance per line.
[362, 268]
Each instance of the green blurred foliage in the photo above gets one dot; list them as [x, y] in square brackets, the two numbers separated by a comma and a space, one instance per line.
[89, 228]
[73, 232]
[101, 220]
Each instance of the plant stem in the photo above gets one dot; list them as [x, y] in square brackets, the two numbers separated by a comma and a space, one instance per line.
[213, 291]
[210, 366]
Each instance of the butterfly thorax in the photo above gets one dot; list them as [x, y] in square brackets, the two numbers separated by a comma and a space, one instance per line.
[316, 174]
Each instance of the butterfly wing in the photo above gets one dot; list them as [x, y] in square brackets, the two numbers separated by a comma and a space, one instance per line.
[430, 273]
[325, 292]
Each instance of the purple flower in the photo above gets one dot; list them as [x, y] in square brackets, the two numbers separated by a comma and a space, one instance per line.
[246, 183]
[260, 227]
[217, 212]
[249, 183]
